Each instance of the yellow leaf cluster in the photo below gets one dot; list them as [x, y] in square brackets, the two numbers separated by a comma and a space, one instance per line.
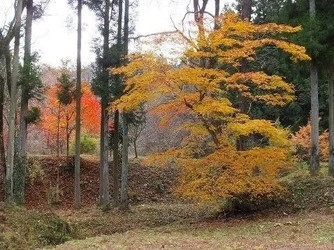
[227, 173]
[277, 137]
[146, 78]
[260, 87]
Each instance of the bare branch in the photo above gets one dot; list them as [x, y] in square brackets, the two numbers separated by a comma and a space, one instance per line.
[154, 34]
[183, 36]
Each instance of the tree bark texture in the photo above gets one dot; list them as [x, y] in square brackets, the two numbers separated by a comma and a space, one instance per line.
[104, 191]
[331, 118]
[20, 166]
[77, 191]
[116, 160]
[125, 165]
[314, 162]
[13, 105]
[104, 166]
[2, 145]
[125, 154]
[246, 9]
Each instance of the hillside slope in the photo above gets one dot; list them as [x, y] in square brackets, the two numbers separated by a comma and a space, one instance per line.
[47, 173]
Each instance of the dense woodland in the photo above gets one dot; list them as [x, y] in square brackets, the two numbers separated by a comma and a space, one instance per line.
[248, 98]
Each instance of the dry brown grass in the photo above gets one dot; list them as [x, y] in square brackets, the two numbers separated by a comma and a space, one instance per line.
[302, 231]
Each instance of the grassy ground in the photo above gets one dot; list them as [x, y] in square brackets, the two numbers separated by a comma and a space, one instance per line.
[299, 231]
[303, 219]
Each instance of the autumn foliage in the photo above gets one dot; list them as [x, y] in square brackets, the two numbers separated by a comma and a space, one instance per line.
[301, 140]
[57, 117]
[215, 89]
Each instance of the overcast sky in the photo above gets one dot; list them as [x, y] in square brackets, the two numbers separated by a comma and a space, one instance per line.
[54, 36]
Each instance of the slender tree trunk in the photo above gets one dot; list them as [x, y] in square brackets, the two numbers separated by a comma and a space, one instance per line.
[20, 166]
[116, 115]
[67, 142]
[120, 23]
[58, 131]
[314, 163]
[104, 193]
[77, 191]
[104, 166]
[245, 13]
[2, 145]
[135, 148]
[101, 194]
[217, 12]
[12, 110]
[331, 118]
[116, 161]
[246, 9]
[8, 70]
[125, 155]
[8, 67]
[125, 165]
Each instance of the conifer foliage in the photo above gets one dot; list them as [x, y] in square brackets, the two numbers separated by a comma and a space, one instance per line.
[213, 88]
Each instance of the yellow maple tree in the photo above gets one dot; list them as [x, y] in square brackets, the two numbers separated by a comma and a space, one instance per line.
[212, 85]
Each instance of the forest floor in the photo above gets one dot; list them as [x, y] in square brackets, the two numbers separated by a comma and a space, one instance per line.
[303, 219]
[304, 231]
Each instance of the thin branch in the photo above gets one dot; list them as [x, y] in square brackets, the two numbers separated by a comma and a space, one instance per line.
[154, 34]
[204, 12]
[183, 36]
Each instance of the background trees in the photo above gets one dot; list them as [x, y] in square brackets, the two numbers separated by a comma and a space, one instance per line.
[234, 76]
[58, 119]
[315, 36]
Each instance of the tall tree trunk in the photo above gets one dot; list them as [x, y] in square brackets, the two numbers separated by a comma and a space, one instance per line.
[116, 116]
[67, 141]
[245, 13]
[217, 12]
[135, 148]
[2, 145]
[3, 79]
[77, 191]
[246, 9]
[314, 163]
[125, 156]
[104, 166]
[58, 131]
[8, 68]
[20, 166]
[125, 165]
[120, 23]
[12, 109]
[116, 160]
[104, 200]
[331, 118]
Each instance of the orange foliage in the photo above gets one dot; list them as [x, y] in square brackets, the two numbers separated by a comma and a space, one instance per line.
[54, 113]
[228, 173]
[302, 143]
[212, 168]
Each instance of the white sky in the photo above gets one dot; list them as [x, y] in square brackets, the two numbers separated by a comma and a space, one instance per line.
[55, 40]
